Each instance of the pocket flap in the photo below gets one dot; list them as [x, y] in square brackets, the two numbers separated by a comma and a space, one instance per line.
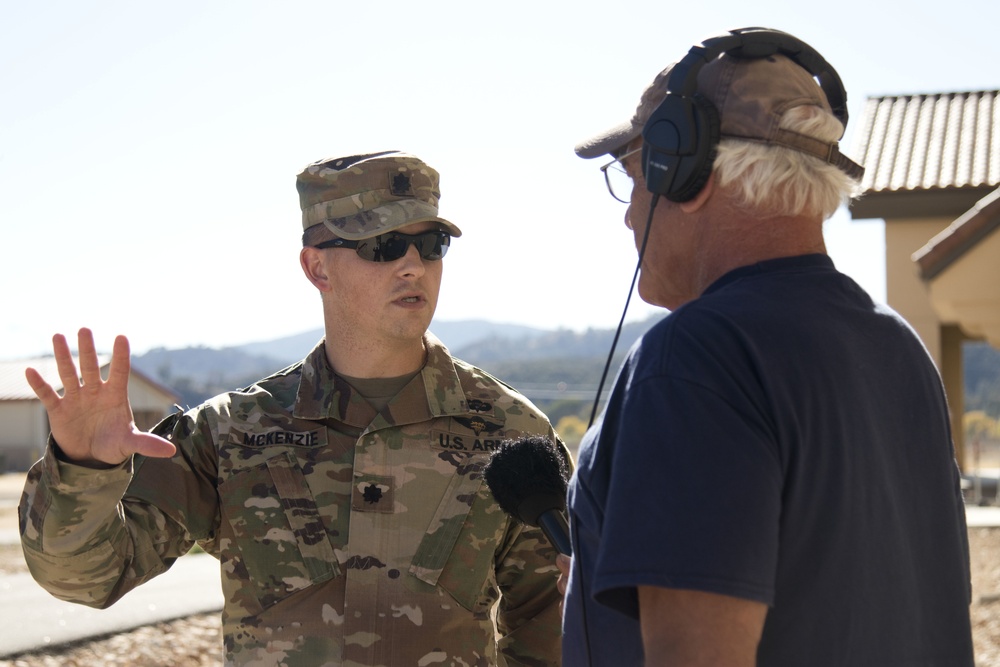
[442, 534]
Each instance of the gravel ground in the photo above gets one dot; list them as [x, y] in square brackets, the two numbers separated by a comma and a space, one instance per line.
[197, 640]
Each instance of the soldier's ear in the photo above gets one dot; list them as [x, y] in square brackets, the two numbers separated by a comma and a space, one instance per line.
[314, 265]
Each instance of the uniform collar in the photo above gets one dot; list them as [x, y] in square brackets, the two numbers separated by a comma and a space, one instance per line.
[435, 392]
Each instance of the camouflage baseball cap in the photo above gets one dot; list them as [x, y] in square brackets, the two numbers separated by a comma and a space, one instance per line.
[750, 94]
[361, 196]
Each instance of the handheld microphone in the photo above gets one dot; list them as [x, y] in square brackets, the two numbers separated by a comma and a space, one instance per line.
[528, 478]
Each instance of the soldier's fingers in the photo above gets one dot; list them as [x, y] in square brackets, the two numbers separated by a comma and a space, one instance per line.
[90, 370]
[120, 364]
[565, 564]
[64, 364]
[43, 390]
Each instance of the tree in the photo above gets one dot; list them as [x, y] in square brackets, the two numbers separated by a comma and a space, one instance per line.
[571, 429]
[979, 424]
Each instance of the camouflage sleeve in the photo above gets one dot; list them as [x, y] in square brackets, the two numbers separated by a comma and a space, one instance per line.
[88, 538]
[529, 619]
[73, 539]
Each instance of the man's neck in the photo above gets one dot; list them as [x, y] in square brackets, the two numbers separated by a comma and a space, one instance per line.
[359, 360]
[733, 241]
[743, 241]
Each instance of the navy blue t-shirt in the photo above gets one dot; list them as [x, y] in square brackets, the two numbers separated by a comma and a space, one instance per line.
[783, 439]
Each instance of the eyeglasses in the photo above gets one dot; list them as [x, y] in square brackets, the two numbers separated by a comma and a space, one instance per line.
[389, 247]
[618, 180]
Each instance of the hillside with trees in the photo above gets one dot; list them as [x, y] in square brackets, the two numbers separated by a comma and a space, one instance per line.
[982, 378]
[982, 399]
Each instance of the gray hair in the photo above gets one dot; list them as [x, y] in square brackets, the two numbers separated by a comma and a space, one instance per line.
[777, 181]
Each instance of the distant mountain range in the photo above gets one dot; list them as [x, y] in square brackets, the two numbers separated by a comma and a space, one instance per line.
[515, 353]
[455, 335]
[534, 360]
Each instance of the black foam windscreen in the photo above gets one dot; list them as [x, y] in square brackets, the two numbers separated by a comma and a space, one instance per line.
[528, 479]
[528, 476]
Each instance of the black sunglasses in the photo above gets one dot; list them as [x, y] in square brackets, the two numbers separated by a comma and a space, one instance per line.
[389, 247]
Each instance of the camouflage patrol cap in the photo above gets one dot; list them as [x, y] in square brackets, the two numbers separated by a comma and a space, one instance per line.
[361, 196]
[750, 95]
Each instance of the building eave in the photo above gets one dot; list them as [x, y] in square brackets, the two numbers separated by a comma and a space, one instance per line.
[959, 237]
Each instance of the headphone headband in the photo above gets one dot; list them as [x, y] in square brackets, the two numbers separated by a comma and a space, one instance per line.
[681, 136]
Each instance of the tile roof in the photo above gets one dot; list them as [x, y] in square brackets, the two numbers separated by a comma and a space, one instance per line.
[932, 143]
[943, 140]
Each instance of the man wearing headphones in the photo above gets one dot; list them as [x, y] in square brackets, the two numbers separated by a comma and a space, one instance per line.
[772, 481]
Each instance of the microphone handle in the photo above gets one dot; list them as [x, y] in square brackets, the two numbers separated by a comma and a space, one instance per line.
[553, 524]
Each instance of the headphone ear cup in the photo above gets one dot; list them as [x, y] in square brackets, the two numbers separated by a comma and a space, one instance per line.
[679, 146]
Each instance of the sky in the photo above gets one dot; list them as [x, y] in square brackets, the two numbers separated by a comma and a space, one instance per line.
[148, 151]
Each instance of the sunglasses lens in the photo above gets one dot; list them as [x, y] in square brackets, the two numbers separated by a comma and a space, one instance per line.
[369, 249]
[432, 245]
[392, 246]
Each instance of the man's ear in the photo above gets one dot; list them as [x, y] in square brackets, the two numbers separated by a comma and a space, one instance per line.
[315, 269]
[702, 197]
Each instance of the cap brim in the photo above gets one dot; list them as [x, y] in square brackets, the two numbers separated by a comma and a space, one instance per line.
[609, 142]
[386, 218]
[449, 227]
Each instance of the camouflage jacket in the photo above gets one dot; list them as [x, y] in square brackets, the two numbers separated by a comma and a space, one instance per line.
[345, 536]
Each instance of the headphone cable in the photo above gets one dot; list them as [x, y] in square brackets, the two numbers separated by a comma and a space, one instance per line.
[573, 518]
[628, 299]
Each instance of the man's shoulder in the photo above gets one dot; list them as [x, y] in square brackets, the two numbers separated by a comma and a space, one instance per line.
[469, 373]
[480, 386]
[280, 387]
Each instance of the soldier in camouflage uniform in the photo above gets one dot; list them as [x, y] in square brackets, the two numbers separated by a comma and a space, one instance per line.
[343, 495]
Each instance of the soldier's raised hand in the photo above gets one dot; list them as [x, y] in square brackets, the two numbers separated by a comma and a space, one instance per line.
[92, 422]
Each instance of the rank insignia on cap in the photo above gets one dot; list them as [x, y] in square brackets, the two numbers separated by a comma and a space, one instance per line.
[401, 185]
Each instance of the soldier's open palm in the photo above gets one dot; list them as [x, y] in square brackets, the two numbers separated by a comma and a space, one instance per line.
[92, 421]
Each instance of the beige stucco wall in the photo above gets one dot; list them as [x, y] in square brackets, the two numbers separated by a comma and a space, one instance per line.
[23, 431]
[905, 291]
[908, 294]
[143, 396]
[968, 291]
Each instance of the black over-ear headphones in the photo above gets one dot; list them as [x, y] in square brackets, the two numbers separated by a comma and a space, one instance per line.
[681, 136]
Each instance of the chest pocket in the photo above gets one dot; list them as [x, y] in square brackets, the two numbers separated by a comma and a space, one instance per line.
[279, 538]
[458, 550]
